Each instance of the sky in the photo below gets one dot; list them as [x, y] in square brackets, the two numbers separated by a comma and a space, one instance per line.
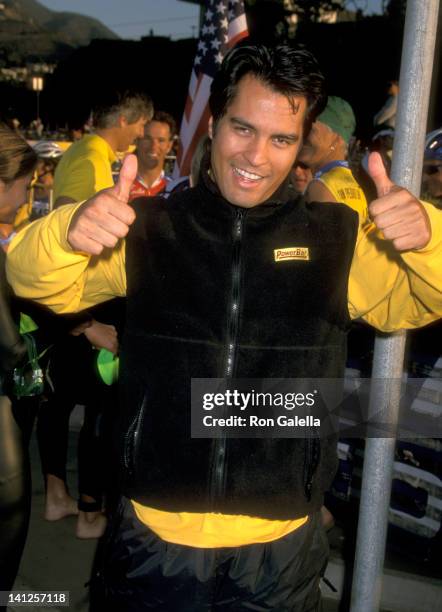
[135, 18]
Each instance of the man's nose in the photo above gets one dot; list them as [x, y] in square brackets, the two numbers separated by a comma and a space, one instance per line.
[256, 152]
[154, 145]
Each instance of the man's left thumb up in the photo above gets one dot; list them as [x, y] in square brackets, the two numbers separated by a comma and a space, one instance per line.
[378, 173]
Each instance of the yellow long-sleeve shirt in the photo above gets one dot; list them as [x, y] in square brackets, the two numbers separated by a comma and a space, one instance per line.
[84, 169]
[389, 290]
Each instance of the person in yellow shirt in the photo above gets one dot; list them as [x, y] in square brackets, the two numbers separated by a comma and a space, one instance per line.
[231, 279]
[86, 167]
[325, 153]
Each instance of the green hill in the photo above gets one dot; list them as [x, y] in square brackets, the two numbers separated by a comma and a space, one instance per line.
[31, 32]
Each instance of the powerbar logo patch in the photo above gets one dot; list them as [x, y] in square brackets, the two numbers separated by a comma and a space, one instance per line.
[292, 253]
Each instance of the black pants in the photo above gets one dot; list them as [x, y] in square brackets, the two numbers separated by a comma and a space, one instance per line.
[74, 381]
[15, 494]
[139, 571]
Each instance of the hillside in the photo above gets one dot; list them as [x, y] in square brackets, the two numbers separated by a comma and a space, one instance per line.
[31, 32]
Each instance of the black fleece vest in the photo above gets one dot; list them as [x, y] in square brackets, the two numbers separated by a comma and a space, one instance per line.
[191, 262]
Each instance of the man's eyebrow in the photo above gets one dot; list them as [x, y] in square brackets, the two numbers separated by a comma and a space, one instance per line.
[242, 122]
[238, 121]
[290, 137]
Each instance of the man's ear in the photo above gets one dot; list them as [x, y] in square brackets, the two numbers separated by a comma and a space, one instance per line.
[122, 121]
[210, 128]
[171, 141]
[340, 142]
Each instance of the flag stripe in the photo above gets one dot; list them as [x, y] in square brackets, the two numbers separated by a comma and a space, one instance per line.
[198, 107]
[237, 38]
[193, 84]
[238, 26]
[197, 135]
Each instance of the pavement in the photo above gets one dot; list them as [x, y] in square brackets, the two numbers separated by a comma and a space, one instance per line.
[55, 560]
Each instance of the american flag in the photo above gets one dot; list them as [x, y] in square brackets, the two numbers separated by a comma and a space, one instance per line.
[224, 25]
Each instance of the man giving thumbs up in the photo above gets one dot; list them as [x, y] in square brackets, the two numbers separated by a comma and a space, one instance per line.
[400, 216]
[105, 218]
[232, 279]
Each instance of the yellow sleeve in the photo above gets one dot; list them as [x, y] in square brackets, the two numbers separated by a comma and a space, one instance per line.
[42, 266]
[394, 291]
[83, 177]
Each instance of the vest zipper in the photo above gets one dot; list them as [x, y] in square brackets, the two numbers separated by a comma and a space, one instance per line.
[234, 303]
[219, 451]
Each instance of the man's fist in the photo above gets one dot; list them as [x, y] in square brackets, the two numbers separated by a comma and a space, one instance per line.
[105, 218]
[102, 336]
[396, 212]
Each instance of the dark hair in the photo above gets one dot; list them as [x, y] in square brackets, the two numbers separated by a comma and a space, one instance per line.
[201, 150]
[163, 117]
[132, 105]
[287, 70]
[17, 158]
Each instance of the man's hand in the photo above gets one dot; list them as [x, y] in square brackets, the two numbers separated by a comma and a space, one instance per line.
[102, 336]
[401, 217]
[105, 218]
[80, 329]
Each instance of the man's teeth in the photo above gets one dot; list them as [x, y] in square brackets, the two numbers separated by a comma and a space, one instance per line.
[248, 175]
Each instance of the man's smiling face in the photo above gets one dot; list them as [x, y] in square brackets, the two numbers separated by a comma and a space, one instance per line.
[255, 142]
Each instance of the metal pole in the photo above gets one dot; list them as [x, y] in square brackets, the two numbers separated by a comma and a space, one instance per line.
[434, 114]
[414, 84]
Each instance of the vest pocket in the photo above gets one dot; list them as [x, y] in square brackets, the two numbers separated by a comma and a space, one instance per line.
[131, 439]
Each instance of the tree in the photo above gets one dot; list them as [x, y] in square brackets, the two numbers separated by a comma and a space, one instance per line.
[267, 21]
[395, 10]
[313, 11]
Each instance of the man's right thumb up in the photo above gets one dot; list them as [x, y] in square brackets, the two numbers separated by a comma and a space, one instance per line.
[101, 221]
[128, 174]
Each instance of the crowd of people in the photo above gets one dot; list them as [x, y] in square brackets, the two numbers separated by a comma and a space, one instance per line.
[138, 280]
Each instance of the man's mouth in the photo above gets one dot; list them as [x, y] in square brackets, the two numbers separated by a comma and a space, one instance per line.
[249, 176]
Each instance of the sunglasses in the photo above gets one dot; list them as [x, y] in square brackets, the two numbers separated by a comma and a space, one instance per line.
[431, 169]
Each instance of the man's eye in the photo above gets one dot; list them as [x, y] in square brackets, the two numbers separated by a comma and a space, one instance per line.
[281, 142]
[242, 130]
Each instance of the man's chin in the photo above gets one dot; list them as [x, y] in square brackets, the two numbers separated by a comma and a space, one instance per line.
[246, 202]
[151, 164]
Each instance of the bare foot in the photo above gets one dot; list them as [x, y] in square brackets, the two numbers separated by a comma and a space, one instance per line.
[56, 509]
[58, 502]
[90, 525]
[328, 521]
